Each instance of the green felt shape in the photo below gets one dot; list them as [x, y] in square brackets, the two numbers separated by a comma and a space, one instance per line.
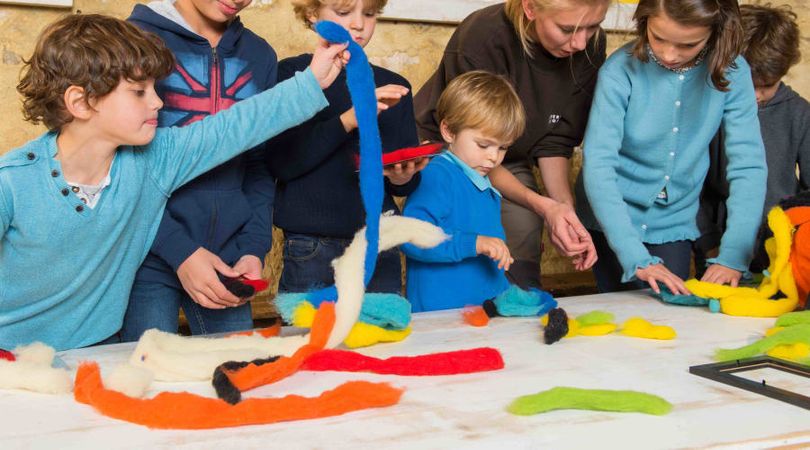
[793, 318]
[595, 318]
[562, 397]
[791, 335]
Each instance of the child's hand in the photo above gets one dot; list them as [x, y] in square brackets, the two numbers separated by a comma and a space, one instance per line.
[198, 275]
[387, 96]
[328, 61]
[655, 273]
[722, 275]
[496, 249]
[401, 173]
[250, 267]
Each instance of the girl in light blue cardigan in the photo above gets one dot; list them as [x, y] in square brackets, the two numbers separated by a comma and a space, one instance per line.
[658, 103]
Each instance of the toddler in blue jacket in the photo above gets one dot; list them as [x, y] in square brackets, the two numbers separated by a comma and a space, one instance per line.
[480, 115]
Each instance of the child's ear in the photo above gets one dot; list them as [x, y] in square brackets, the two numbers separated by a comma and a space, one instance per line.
[528, 9]
[447, 135]
[76, 102]
[312, 18]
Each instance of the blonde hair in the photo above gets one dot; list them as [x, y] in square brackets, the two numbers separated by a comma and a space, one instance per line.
[482, 101]
[304, 9]
[523, 26]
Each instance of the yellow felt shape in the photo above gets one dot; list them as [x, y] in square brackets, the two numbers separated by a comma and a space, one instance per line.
[303, 315]
[575, 329]
[597, 330]
[364, 334]
[745, 301]
[361, 334]
[792, 352]
[772, 331]
[640, 328]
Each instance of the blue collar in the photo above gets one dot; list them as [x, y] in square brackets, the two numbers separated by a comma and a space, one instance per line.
[480, 181]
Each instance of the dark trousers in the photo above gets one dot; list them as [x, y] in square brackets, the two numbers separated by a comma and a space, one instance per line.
[608, 272]
[308, 265]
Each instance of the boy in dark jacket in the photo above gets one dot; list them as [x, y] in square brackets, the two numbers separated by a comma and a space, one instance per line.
[221, 222]
[318, 202]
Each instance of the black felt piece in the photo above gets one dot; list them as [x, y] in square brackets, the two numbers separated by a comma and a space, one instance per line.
[222, 384]
[237, 288]
[490, 308]
[557, 326]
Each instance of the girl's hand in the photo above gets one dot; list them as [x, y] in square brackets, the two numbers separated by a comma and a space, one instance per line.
[656, 273]
[496, 249]
[722, 275]
[401, 173]
[328, 61]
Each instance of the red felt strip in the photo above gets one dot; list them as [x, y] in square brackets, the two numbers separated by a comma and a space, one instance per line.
[259, 285]
[407, 153]
[448, 363]
[7, 355]
[183, 410]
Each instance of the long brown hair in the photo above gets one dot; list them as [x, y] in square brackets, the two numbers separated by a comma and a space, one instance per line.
[722, 17]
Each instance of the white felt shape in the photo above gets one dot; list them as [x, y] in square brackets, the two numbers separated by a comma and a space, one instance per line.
[129, 380]
[178, 358]
[32, 371]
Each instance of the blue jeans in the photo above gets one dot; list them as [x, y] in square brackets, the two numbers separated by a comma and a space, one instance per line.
[308, 265]
[155, 305]
[608, 272]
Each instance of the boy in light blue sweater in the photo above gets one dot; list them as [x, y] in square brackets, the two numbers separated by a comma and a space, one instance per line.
[80, 205]
[480, 115]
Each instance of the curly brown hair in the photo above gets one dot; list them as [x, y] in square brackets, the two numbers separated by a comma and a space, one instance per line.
[721, 16]
[92, 51]
[771, 41]
[304, 9]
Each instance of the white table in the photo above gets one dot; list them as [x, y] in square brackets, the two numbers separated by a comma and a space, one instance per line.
[468, 411]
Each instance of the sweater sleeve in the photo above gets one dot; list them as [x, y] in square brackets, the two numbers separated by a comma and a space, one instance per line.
[5, 214]
[404, 136]
[746, 171]
[603, 140]
[256, 236]
[178, 155]
[433, 203]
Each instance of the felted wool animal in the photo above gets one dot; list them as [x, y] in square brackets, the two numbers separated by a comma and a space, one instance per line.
[30, 368]
[594, 323]
[513, 302]
[778, 293]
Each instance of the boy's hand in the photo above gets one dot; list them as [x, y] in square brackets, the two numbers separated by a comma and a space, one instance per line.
[401, 173]
[655, 273]
[328, 61]
[198, 275]
[250, 267]
[496, 249]
[387, 96]
[722, 275]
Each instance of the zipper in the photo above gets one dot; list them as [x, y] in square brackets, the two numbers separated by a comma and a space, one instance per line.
[215, 94]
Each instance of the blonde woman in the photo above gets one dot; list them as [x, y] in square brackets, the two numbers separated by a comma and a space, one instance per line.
[551, 51]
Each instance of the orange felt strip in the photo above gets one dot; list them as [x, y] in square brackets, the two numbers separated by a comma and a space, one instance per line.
[475, 316]
[183, 410]
[263, 332]
[252, 376]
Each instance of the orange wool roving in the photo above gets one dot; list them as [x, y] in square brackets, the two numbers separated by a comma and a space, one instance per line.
[183, 410]
[475, 316]
[800, 253]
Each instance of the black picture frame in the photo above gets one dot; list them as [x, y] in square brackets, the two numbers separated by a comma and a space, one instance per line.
[724, 372]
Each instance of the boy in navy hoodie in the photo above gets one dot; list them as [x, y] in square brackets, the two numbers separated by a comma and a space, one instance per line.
[221, 222]
[318, 202]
